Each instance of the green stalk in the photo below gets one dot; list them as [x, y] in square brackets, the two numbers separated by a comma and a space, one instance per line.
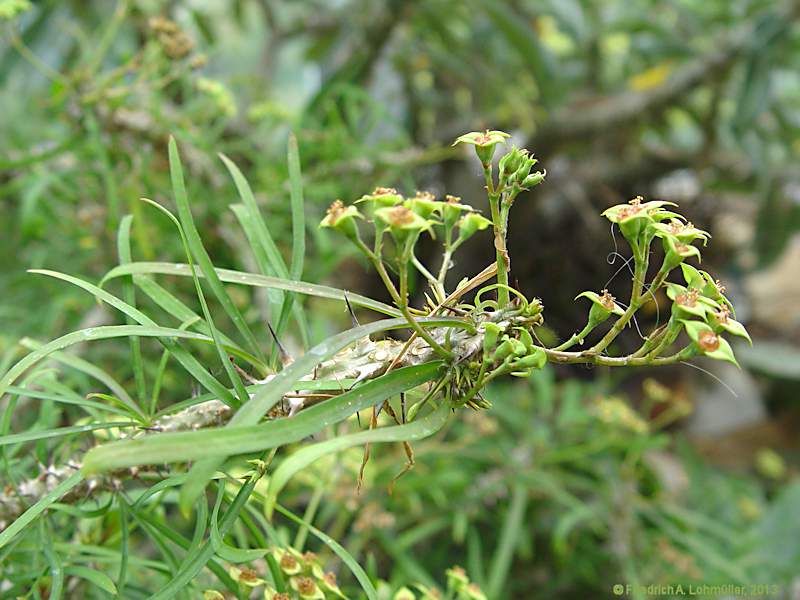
[499, 222]
[577, 337]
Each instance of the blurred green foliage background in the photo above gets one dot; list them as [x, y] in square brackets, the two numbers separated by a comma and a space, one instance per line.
[563, 489]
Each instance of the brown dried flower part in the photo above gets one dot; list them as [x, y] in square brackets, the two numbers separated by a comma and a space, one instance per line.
[634, 208]
[688, 298]
[335, 210]
[248, 576]
[424, 195]
[708, 341]
[383, 191]
[306, 586]
[607, 300]
[676, 227]
[400, 215]
[309, 556]
[288, 562]
[722, 314]
[330, 578]
[720, 288]
[450, 199]
[282, 596]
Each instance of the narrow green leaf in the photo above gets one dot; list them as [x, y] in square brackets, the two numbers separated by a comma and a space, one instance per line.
[53, 560]
[254, 279]
[416, 430]
[233, 376]
[263, 244]
[199, 251]
[176, 308]
[223, 550]
[512, 529]
[29, 436]
[223, 441]
[84, 335]
[129, 294]
[189, 362]
[78, 363]
[93, 576]
[39, 395]
[37, 509]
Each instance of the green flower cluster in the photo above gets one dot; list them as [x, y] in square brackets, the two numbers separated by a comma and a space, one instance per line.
[298, 575]
[459, 587]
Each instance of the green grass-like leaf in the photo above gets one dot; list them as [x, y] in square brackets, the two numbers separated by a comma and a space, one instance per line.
[199, 251]
[254, 279]
[224, 441]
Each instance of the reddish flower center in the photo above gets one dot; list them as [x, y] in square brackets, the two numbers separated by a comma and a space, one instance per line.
[288, 562]
[708, 341]
[306, 586]
[606, 300]
[400, 215]
[383, 191]
[688, 298]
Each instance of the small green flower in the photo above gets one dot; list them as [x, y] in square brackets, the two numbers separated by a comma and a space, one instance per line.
[287, 562]
[424, 204]
[382, 197]
[535, 359]
[402, 221]
[683, 232]
[675, 252]
[708, 286]
[484, 142]
[452, 210]
[328, 584]
[246, 577]
[707, 342]
[471, 223]
[306, 588]
[342, 218]
[721, 320]
[688, 302]
[634, 216]
[603, 306]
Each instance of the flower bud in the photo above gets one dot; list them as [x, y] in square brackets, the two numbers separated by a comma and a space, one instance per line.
[536, 359]
[491, 333]
[512, 161]
[534, 179]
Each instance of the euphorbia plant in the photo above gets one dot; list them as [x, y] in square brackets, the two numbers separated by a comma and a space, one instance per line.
[461, 338]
